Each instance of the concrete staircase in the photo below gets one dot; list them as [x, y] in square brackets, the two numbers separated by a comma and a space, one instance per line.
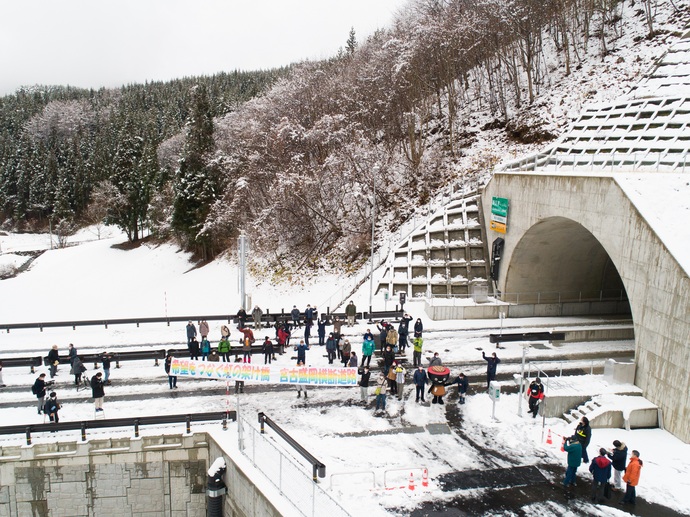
[615, 411]
[585, 409]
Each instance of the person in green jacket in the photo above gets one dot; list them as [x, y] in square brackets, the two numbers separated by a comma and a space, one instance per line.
[224, 349]
[417, 352]
[368, 346]
[573, 447]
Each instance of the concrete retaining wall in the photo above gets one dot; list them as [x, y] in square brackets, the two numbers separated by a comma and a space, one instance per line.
[525, 310]
[639, 419]
[147, 477]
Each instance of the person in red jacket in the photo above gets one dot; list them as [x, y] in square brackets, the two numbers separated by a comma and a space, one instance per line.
[601, 473]
[632, 477]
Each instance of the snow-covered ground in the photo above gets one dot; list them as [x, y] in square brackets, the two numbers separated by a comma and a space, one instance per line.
[95, 280]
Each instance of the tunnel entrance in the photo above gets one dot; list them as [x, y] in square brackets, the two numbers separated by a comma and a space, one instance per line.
[558, 260]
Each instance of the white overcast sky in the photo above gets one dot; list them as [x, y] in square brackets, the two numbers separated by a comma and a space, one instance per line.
[94, 43]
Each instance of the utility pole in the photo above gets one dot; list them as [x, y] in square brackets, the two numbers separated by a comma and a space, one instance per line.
[242, 252]
[373, 226]
[525, 346]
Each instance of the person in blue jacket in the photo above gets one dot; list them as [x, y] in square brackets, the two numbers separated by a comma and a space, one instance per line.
[492, 362]
[331, 346]
[420, 380]
[321, 329]
[295, 317]
[302, 352]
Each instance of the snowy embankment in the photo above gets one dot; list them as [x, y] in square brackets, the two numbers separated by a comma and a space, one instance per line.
[96, 280]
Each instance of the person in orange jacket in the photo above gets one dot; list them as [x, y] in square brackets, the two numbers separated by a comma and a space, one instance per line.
[632, 477]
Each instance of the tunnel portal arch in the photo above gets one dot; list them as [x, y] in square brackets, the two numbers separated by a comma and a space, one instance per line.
[558, 258]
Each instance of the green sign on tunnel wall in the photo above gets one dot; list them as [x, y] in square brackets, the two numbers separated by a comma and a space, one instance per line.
[499, 214]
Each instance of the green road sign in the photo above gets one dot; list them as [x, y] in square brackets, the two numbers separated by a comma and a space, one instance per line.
[499, 206]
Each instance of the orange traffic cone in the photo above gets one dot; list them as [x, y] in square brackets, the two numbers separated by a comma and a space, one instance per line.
[549, 441]
[410, 485]
[425, 479]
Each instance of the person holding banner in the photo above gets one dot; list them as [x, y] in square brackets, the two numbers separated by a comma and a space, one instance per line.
[352, 363]
[172, 379]
[364, 384]
[381, 388]
[301, 388]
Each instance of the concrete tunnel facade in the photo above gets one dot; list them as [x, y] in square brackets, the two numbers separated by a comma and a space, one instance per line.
[579, 235]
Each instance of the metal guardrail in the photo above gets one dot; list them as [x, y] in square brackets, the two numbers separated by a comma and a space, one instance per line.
[539, 297]
[135, 422]
[526, 336]
[267, 318]
[117, 357]
[286, 474]
[319, 469]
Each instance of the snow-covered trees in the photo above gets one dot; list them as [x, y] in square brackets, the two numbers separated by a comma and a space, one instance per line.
[195, 182]
[295, 166]
[58, 143]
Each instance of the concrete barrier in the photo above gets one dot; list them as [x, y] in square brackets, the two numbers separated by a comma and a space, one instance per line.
[619, 372]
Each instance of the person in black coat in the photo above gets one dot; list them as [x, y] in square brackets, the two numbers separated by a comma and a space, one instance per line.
[388, 359]
[492, 362]
[51, 407]
[383, 334]
[295, 317]
[309, 315]
[172, 379]
[268, 350]
[619, 457]
[418, 328]
[462, 383]
[193, 349]
[78, 369]
[97, 391]
[53, 360]
[364, 384]
[241, 318]
[535, 393]
[584, 434]
[321, 328]
[39, 389]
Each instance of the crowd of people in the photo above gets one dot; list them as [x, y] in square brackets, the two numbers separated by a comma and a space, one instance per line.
[607, 463]
[608, 469]
[49, 405]
[393, 341]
